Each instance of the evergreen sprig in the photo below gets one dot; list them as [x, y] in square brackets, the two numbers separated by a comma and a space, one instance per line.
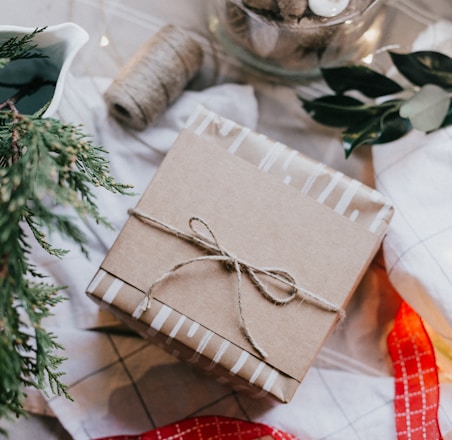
[389, 109]
[20, 47]
[44, 163]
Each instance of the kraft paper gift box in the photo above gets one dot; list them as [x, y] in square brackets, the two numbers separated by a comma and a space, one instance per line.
[269, 224]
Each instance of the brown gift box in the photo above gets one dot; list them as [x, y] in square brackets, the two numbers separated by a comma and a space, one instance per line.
[267, 206]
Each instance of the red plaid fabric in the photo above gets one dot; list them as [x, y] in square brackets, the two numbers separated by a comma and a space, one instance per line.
[416, 378]
[210, 428]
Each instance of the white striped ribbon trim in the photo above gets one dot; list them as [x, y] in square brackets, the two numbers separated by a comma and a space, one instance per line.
[289, 159]
[221, 351]
[190, 121]
[240, 362]
[312, 178]
[100, 275]
[354, 215]
[112, 291]
[201, 346]
[347, 197]
[238, 140]
[204, 341]
[271, 157]
[176, 328]
[270, 381]
[193, 329]
[138, 311]
[377, 197]
[287, 180]
[161, 317]
[257, 372]
[227, 127]
[377, 220]
[330, 187]
[204, 124]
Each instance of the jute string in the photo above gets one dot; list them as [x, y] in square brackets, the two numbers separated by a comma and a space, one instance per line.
[154, 77]
[216, 252]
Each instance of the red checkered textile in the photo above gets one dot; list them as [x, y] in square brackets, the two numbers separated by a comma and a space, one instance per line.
[416, 378]
[209, 428]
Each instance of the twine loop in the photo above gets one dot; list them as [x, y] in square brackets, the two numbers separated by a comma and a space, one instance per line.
[203, 236]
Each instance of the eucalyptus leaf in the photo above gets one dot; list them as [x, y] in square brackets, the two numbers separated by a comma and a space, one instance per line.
[448, 119]
[361, 78]
[338, 110]
[425, 67]
[428, 108]
[393, 127]
[362, 134]
[379, 130]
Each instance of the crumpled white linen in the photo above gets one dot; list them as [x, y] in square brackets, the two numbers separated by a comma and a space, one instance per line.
[415, 173]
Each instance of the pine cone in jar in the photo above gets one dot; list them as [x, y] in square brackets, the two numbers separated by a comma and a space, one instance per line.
[296, 32]
[292, 10]
[315, 32]
[312, 33]
[303, 39]
[267, 39]
[255, 34]
[236, 21]
[268, 8]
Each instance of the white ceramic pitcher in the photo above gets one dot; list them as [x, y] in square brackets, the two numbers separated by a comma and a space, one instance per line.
[59, 44]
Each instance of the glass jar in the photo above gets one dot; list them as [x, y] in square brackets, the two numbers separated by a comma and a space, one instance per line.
[286, 39]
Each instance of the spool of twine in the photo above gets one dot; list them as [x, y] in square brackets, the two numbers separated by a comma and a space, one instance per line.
[154, 77]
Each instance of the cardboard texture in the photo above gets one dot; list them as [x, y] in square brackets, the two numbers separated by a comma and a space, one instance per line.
[266, 204]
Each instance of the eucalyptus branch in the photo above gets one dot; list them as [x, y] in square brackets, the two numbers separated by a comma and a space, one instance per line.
[389, 110]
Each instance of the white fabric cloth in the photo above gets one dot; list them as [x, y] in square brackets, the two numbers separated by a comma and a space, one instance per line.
[418, 249]
[414, 172]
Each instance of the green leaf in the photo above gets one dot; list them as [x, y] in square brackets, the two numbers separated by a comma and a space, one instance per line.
[360, 78]
[393, 127]
[428, 108]
[378, 130]
[338, 110]
[360, 135]
[448, 119]
[425, 67]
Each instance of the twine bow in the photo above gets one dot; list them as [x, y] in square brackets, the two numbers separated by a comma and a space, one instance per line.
[216, 252]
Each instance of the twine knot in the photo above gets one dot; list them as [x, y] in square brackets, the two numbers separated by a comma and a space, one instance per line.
[229, 264]
[203, 236]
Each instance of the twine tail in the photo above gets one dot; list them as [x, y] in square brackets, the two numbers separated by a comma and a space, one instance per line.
[243, 324]
[262, 353]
